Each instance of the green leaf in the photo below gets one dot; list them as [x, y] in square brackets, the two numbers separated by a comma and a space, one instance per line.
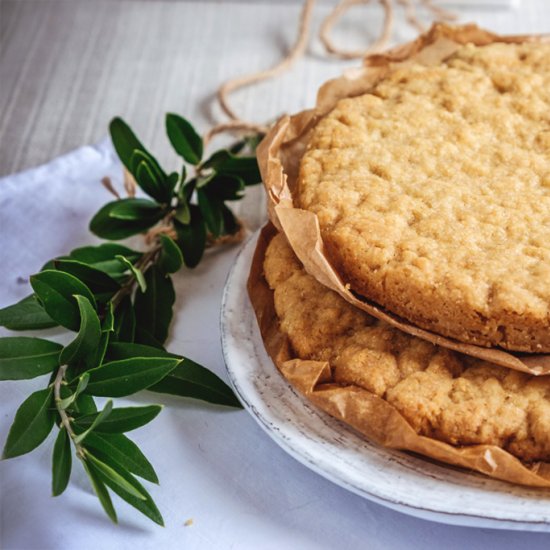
[83, 349]
[108, 323]
[245, 168]
[125, 320]
[147, 180]
[27, 314]
[180, 191]
[121, 378]
[145, 337]
[211, 211]
[151, 178]
[22, 357]
[61, 462]
[192, 237]
[154, 307]
[225, 187]
[138, 274]
[183, 213]
[123, 452]
[126, 350]
[33, 422]
[126, 143]
[147, 506]
[171, 183]
[184, 139]
[102, 347]
[136, 209]
[102, 257]
[108, 227]
[85, 404]
[121, 420]
[100, 283]
[113, 476]
[190, 379]
[249, 142]
[100, 489]
[230, 223]
[171, 258]
[81, 386]
[99, 418]
[56, 291]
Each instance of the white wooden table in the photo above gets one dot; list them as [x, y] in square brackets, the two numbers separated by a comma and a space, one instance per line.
[66, 68]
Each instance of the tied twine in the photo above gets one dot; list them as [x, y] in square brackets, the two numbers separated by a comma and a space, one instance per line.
[237, 124]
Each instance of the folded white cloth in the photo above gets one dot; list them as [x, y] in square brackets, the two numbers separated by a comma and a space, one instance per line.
[216, 466]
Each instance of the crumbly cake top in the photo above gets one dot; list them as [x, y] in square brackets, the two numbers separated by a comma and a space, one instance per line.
[443, 394]
[441, 178]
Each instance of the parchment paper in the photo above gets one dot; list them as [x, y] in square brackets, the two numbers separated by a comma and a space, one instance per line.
[364, 411]
[279, 157]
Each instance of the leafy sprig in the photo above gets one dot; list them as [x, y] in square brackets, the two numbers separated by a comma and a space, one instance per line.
[119, 303]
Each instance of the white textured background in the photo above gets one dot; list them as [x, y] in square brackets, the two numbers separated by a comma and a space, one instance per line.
[67, 67]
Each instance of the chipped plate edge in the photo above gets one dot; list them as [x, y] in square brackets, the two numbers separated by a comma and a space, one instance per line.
[255, 378]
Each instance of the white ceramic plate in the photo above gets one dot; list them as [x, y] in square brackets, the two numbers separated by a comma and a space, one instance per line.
[330, 448]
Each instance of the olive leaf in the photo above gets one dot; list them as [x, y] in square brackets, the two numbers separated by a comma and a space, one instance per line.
[210, 208]
[190, 379]
[244, 168]
[154, 306]
[57, 290]
[184, 139]
[33, 422]
[128, 376]
[145, 505]
[136, 209]
[27, 314]
[82, 350]
[191, 237]
[102, 285]
[61, 462]
[121, 420]
[100, 490]
[171, 258]
[122, 451]
[103, 257]
[138, 274]
[107, 226]
[125, 321]
[121, 329]
[99, 418]
[22, 357]
[67, 401]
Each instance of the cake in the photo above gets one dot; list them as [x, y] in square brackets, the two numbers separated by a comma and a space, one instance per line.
[432, 194]
[443, 395]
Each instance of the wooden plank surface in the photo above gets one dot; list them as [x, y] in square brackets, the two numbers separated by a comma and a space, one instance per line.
[68, 66]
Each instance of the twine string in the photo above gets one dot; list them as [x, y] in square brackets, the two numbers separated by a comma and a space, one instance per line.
[336, 14]
[237, 124]
[295, 53]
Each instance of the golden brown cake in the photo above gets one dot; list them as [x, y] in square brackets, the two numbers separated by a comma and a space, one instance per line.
[433, 194]
[442, 394]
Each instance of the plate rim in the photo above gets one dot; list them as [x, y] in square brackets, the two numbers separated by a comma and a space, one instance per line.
[426, 513]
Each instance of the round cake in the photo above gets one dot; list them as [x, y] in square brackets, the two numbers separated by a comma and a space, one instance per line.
[442, 394]
[433, 194]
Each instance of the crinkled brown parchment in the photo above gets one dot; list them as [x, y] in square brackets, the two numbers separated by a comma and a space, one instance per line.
[279, 157]
[364, 411]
